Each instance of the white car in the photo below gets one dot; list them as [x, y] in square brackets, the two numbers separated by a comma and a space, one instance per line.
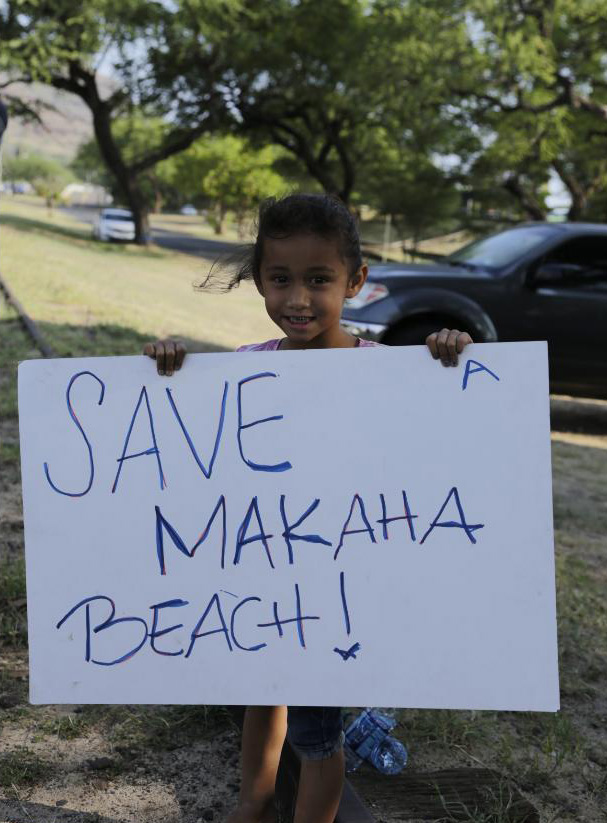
[188, 210]
[114, 224]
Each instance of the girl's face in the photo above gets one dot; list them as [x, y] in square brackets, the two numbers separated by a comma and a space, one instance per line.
[304, 282]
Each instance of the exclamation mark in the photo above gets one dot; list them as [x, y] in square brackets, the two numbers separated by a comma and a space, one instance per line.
[344, 602]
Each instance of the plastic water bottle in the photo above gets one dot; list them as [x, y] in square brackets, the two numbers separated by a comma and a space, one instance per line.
[368, 738]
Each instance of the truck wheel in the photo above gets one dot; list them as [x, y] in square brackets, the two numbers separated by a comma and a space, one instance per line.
[414, 334]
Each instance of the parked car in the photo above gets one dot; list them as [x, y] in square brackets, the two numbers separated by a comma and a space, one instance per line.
[188, 210]
[21, 187]
[535, 281]
[114, 224]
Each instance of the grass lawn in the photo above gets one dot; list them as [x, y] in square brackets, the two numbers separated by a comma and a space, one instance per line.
[99, 298]
[90, 298]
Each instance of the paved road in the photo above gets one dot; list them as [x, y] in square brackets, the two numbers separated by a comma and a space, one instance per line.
[174, 240]
[198, 246]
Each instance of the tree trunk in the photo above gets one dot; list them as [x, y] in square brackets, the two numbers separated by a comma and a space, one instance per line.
[127, 182]
[532, 207]
[220, 214]
[140, 213]
[83, 83]
[579, 195]
[347, 167]
[158, 198]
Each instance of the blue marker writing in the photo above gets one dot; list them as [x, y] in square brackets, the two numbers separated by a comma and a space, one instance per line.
[384, 520]
[109, 623]
[479, 367]
[258, 467]
[454, 524]
[367, 527]
[346, 654]
[168, 604]
[72, 414]
[223, 629]
[299, 619]
[289, 532]
[207, 472]
[344, 602]
[237, 608]
[143, 395]
[162, 525]
[243, 540]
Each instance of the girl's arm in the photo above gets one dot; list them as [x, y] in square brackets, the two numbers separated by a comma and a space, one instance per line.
[447, 344]
[168, 354]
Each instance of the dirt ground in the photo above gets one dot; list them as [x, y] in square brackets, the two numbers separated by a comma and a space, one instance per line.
[133, 764]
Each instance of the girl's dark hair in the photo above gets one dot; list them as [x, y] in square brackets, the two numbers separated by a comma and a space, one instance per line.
[318, 214]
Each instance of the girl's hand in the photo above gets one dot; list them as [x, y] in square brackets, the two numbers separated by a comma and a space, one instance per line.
[447, 344]
[168, 354]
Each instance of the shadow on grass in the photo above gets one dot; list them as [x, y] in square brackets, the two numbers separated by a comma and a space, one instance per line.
[106, 340]
[43, 227]
[69, 340]
[83, 236]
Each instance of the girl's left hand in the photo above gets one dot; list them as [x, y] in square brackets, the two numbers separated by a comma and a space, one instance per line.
[447, 344]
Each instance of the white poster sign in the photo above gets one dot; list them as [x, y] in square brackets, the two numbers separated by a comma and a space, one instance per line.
[337, 527]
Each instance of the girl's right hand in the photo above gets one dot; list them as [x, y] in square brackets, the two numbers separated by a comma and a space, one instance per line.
[168, 354]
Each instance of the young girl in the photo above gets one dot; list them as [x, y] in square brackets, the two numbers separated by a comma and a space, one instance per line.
[305, 262]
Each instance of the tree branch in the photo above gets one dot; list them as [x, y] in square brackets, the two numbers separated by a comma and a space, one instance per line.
[27, 112]
[575, 188]
[529, 203]
[175, 142]
[6, 83]
[521, 105]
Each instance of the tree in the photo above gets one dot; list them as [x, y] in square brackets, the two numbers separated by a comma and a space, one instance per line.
[408, 187]
[537, 85]
[134, 134]
[268, 71]
[60, 43]
[47, 176]
[230, 172]
[319, 97]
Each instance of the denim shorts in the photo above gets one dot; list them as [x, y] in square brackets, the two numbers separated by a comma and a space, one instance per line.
[315, 732]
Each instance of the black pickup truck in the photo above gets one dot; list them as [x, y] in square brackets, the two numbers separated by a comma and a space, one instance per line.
[535, 281]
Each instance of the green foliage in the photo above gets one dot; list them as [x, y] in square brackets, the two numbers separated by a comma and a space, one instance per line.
[135, 134]
[41, 39]
[48, 176]
[67, 726]
[229, 172]
[20, 767]
[597, 205]
[156, 727]
[445, 727]
[319, 97]
[542, 97]
[518, 95]
[408, 186]
[498, 806]
[506, 90]
[224, 170]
